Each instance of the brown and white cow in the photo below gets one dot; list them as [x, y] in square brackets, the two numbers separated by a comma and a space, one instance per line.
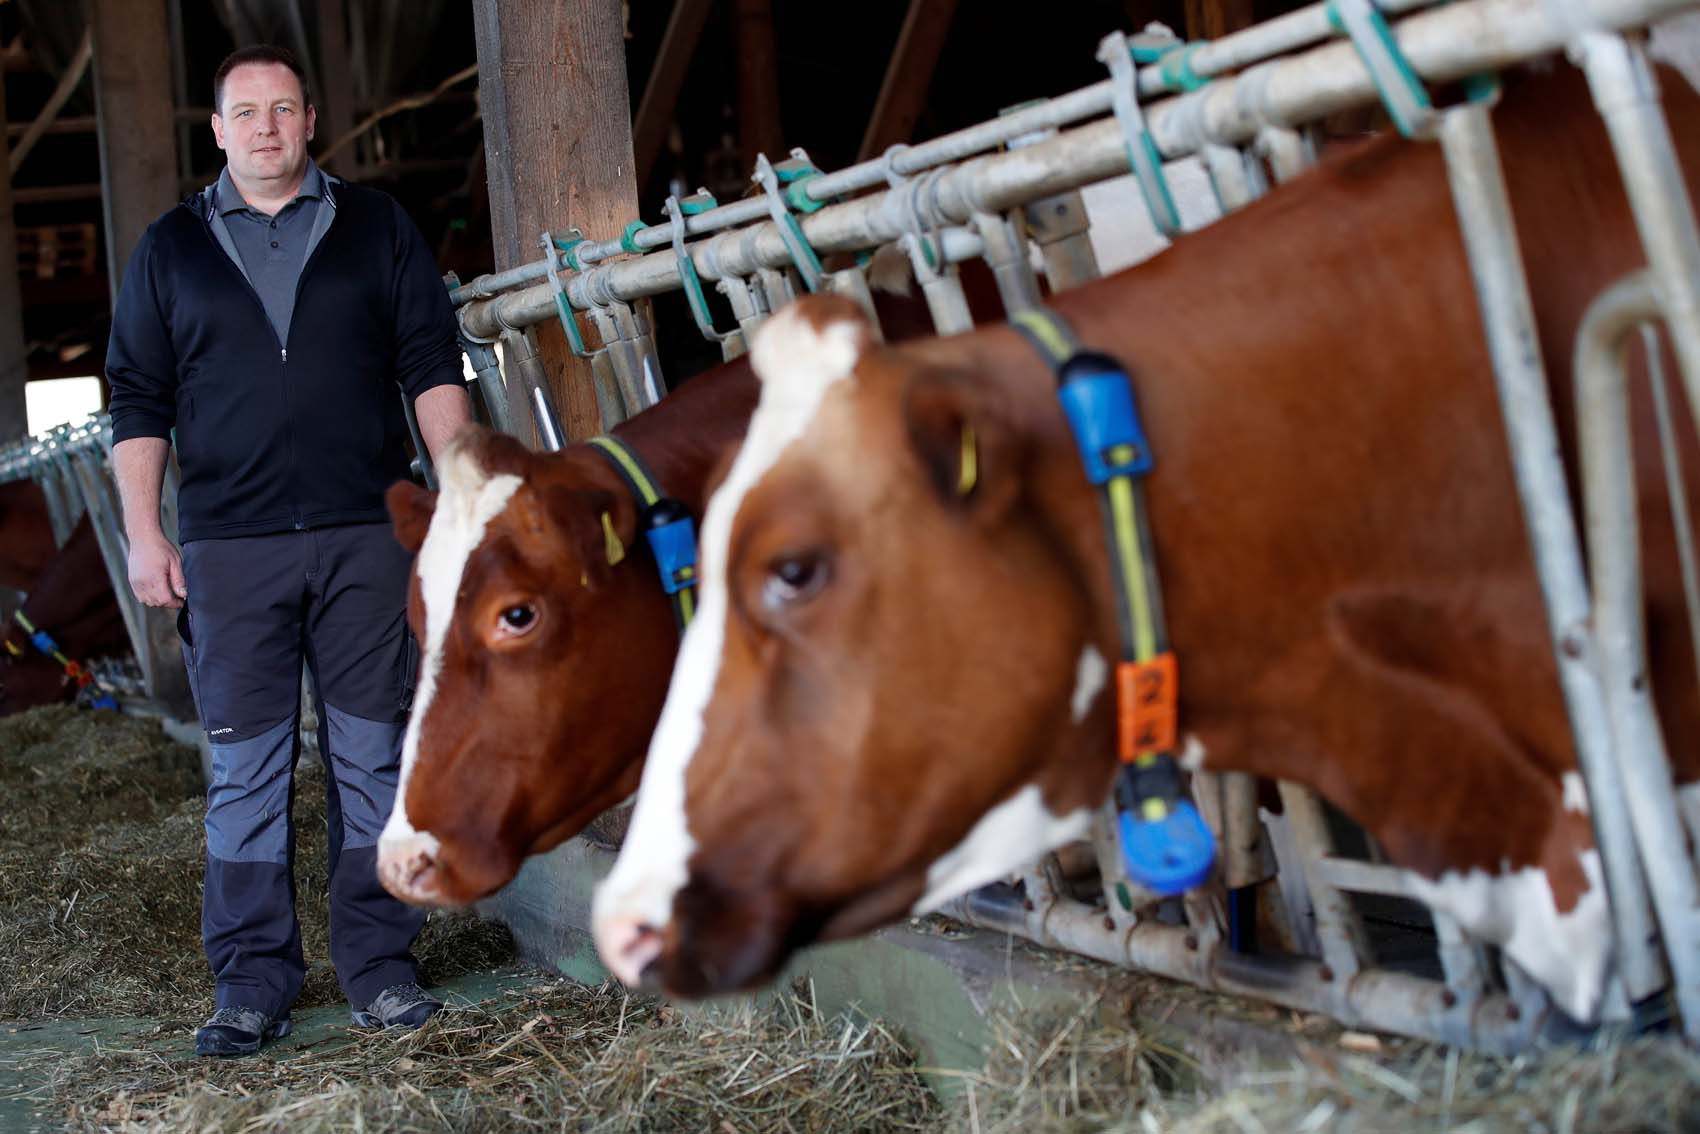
[542, 667]
[893, 690]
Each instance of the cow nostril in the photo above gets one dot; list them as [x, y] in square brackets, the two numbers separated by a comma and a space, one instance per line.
[410, 874]
[629, 948]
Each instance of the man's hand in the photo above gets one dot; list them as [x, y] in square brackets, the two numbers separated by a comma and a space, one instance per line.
[156, 572]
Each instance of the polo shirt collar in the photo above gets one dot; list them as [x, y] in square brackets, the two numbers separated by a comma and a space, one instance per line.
[229, 199]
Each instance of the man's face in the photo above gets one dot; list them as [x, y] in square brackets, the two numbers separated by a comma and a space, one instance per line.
[263, 128]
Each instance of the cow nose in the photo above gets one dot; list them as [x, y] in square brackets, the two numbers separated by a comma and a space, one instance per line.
[627, 946]
[408, 869]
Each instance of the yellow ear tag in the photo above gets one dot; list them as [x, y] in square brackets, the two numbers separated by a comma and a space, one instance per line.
[969, 474]
[616, 548]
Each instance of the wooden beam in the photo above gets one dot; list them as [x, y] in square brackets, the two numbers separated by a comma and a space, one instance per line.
[336, 101]
[14, 358]
[138, 142]
[666, 77]
[557, 146]
[1213, 19]
[138, 175]
[758, 84]
[903, 94]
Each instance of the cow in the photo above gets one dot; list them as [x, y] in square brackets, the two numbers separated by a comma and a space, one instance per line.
[542, 666]
[69, 596]
[895, 690]
[517, 741]
[26, 534]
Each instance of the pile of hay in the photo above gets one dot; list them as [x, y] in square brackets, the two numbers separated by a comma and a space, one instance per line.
[101, 857]
[1080, 1075]
[557, 1055]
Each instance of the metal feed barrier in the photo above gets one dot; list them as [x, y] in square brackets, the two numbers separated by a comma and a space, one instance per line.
[1240, 107]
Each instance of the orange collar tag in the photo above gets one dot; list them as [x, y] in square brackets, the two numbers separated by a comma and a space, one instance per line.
[1147, 696]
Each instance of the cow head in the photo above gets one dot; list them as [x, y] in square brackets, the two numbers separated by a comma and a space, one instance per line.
[534, 698]
[792, 792]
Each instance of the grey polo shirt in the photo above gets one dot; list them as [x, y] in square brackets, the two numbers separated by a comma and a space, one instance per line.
[272, 250]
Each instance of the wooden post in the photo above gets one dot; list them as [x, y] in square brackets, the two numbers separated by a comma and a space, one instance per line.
[907, 76]
[661, 93]
[336, 101]
[557, 147]
[758, 84]
[14, 360]
[138, 144]
[1213, 19]
[138, 175]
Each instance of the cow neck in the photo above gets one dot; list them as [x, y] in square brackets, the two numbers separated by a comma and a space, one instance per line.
[1165, 843]
[664, 521]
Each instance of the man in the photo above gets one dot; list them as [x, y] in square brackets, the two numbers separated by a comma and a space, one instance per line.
[269, 320]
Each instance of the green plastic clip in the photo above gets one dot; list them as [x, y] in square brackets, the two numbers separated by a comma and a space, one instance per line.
[628, 237]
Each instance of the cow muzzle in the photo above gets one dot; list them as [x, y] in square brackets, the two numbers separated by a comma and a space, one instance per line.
[628, 947]
[408, 867]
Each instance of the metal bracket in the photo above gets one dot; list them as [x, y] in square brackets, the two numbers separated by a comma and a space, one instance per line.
[1402, 92]
[677, 210]
[802, 254]
[1142, 154]
[565, 248]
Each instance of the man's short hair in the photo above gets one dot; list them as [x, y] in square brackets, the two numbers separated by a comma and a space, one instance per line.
[258, 53]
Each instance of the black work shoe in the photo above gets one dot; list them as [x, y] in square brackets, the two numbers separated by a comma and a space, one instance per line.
[398, 1006]
[238, 1031]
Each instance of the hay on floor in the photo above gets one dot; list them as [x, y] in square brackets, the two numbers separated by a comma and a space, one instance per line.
[557, 1055]
[101, 861]
[1080, 1075]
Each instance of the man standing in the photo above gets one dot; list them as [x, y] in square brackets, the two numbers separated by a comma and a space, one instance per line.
[269, 320]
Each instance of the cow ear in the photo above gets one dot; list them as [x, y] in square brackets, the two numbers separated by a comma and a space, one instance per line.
[971, 447]
[411, 508]
[600, 526]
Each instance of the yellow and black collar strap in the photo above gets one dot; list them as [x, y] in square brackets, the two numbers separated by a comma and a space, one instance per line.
[1166, 845]
[665, 523]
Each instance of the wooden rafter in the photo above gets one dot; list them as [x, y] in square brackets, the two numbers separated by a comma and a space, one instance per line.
[903, 94]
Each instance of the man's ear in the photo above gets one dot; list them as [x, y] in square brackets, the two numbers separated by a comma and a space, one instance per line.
[411, 508]
[972, 447]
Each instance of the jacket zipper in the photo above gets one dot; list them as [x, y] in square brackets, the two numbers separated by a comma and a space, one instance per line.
[295, 519]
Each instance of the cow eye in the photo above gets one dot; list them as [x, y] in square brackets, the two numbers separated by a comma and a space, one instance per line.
[516, 620]
[792, 579]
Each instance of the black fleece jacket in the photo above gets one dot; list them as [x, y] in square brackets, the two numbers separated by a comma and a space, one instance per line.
[278, 436]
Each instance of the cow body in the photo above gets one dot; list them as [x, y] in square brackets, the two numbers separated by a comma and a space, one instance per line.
[896, 687]
[69, 597]
[26, 534]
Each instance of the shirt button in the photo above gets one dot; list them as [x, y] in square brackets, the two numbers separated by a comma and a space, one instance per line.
[274, 244]
[274, 224]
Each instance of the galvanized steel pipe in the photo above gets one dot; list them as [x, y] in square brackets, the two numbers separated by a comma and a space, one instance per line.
[1614, 551]
[1502, 292]
[1447, 43]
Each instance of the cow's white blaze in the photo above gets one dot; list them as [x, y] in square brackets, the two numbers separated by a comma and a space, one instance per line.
[1006, 838]
[469, 499]
[1567, 952]
[797, 365]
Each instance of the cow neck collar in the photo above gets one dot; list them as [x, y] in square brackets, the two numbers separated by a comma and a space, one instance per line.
[1166, 845]
[664, 521]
